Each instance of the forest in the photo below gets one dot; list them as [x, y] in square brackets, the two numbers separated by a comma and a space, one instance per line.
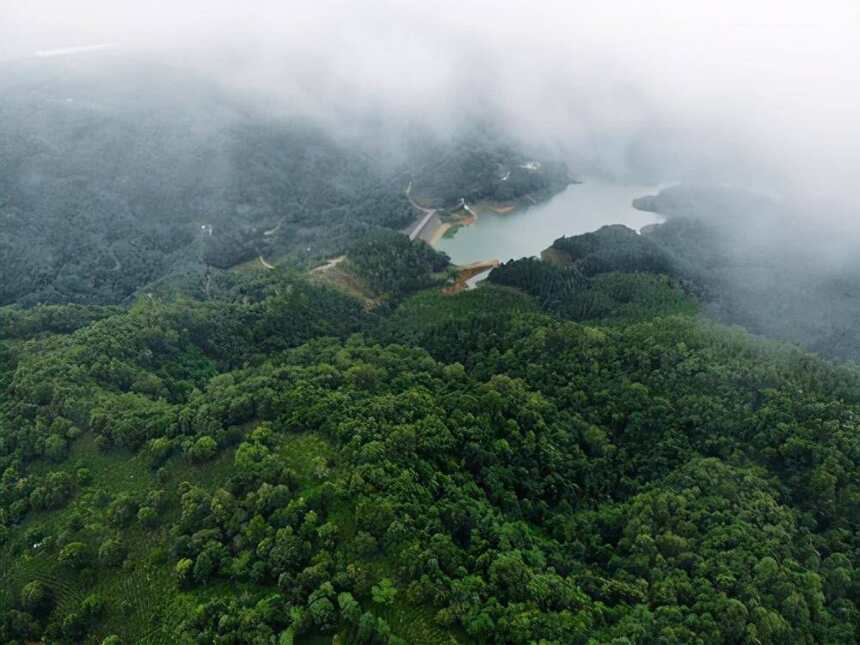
[763, 264]
[482, 164]
[559, 456]
[111, 189]
[195, 448]
[241, 405]
[117, 178]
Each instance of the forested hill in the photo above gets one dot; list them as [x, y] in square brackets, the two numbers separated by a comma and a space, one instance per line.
[281, 464]
[750, 261]
[778, 269]
[113, 177]
[477, 165]
[197, 449]
[119, 175]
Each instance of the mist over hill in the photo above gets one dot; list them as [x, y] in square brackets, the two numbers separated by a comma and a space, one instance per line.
[245, 399]
[763, 264]
[118, 173]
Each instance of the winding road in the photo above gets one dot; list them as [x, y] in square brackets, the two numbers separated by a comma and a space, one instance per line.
[271, 232]
[265, 264]
[117, 263]
[328, 265]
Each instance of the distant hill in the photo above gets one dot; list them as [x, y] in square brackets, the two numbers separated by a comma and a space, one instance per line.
[747, 259]
[118, 174]
[115, 175]
[479, 165]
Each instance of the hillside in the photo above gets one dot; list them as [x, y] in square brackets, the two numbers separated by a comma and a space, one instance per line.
[279, 462]
[112, 180]
[120, 177]
[480, 165]
[765, 264]
[429, 323]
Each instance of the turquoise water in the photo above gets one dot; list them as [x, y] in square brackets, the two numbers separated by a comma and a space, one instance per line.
[580, 208]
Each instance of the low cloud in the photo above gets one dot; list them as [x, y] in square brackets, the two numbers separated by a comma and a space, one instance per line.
[764, 94]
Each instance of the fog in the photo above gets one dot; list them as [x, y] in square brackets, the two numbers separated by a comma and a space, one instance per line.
[763, 94]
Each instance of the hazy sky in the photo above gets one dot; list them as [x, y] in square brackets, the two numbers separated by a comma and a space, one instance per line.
[746, 91]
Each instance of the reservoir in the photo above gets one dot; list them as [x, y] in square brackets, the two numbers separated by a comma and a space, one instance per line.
[578, 209]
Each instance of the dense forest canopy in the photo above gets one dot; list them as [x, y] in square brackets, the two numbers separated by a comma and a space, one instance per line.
[239, 405]
[280, 462]
[764, 264]
[480, 165]
[751, 260]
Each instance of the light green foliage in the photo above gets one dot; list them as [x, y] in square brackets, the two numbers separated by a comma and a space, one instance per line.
[384, 592]
[462, 468]
[147, 516]
[111, 553]
[203, 449]
[74, 555]
[35, 597]
[56, 448]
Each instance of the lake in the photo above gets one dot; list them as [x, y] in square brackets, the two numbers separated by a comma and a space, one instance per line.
[580, 208]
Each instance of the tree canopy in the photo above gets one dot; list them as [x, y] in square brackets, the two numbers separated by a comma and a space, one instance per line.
[280, 463]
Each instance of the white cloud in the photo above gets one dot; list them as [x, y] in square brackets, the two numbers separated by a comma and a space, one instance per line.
[69, 51]
[753, 89]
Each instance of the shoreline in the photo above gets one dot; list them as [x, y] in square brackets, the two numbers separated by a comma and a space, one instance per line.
[484, 207]
[578, 209]
[469, 271]
[435, 228]
[443, 227]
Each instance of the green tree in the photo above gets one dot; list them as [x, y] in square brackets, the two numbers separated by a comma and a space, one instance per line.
[75, 555]
[56, 448]
[36, 597]
[203, 449]
[384, 592]
[147, 516]
[350, 610]
[111, 553]
[184, 570]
